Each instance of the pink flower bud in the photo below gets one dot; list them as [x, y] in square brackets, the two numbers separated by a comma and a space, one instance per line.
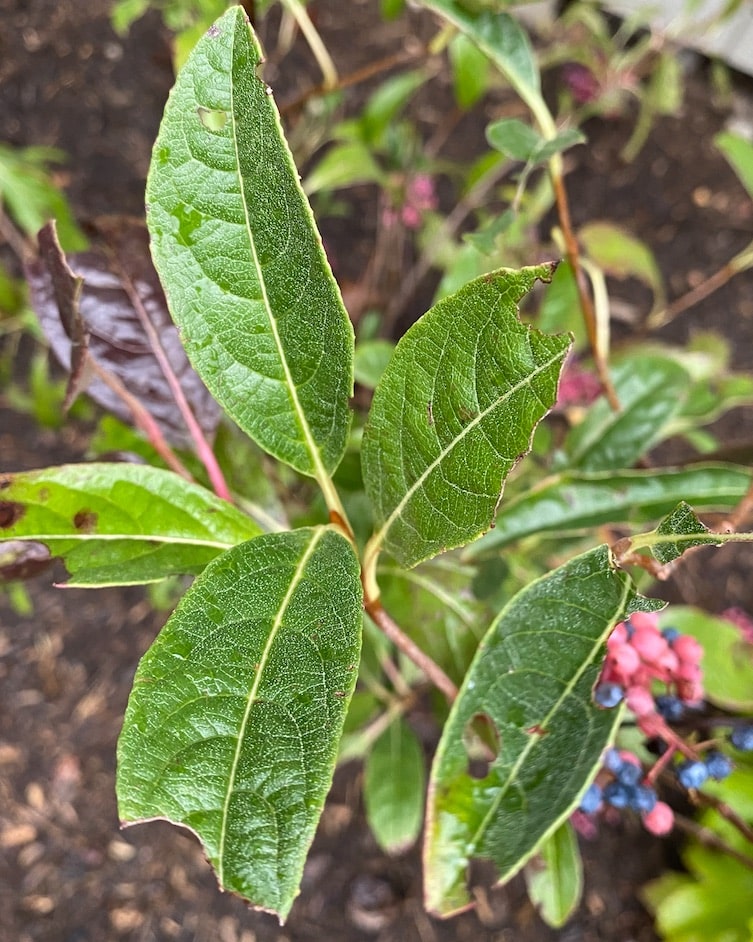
[624, 661]
[649, 644]
[618, 637]
[645, 620]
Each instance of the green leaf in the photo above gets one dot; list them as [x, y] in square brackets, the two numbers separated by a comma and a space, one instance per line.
[342, 166]
[501, 38]
[739, 152]
[394, 782]
[622, 255]
[651, 390]
[470, 71]
[384, 106]
[679, 531]
[554, 878]
[241, 261]
[372, 357]
[237, 708]
[575, 500]
[514, 138]
[530, 682]
[727, 659]
[454, 412]
[120, 524]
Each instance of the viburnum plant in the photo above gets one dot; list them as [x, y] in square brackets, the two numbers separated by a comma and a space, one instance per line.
[238, 711]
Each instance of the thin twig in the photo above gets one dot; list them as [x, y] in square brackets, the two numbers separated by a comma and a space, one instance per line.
[729, 814]
[143, 419]
[203, 448]
[411, 650]
[707, 287]
[709, 838]
[589, 314]
[353, 78]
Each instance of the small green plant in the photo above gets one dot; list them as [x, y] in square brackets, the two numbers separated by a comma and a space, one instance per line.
[317, 619]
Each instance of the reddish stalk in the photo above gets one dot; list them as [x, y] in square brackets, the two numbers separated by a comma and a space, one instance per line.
[203, 449]
[143, 419]
[708, 838]
[584, 295]
[411, 650]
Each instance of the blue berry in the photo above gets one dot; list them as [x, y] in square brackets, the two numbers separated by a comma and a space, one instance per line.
[656, 746]
[591, 801]
[629, 629]
[644, 799]
[608, 695]
[618, 795]
[741, 738]
[613, 761]
[630, 774]
[718, 765]
[692, 774]
[670, 707]
[670, 635]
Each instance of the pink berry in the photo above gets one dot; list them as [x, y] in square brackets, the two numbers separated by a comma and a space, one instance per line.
[624, 660]
[649, 644]
[618, 637]
[645, 620]
[667, 664]
[640, 701]
[688, 671]
[660, 820]
[687, 649]
[690, 692]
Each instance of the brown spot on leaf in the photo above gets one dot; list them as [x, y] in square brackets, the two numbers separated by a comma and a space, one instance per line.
[85, 520]
[537, 730]
[10, 513]
[43, 495]
[5, 481]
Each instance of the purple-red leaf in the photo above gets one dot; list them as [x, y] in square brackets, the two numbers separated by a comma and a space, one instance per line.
[120, 291]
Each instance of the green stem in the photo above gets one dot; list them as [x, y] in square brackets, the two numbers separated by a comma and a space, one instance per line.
[316, 44]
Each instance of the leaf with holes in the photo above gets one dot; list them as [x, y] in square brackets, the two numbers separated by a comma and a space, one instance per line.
[453, 413]
[119, 524]
[531, 682]
[241, 261]
[237, 708]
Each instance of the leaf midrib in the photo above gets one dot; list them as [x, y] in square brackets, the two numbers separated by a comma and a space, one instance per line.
[419, 482]
[318, 468]
[132, 537]
[276, 625]
[534, 740]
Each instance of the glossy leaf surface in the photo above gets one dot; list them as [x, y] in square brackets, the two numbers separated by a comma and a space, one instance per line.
[531, 681]
[575, 500]
[240, 258]
[119, 524]
[394, 784]
[237, 708]
[651, 390]
[453, 413]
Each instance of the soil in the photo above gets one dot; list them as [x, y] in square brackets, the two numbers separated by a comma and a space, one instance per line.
[67, 873]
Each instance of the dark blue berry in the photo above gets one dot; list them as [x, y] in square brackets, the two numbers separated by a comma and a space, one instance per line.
[613, 761]
[608, 695]
[741, 738]
[591, 801]
[718, 765]
[629, 629]
[644, 799]
[656, 746]
[618, 795]
[630, 774]
[670, 707]
[692, 774]
[670, 635]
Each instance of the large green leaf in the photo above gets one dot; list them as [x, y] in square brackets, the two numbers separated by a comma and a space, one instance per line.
[575, 500]
[394, 782]
[240, 258]
[453, 412]
[119, 524]
[233, 723]
[530, 682]
[651, 390]
[501, 38]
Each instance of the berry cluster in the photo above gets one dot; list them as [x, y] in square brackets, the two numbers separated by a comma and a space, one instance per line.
[639, 657]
